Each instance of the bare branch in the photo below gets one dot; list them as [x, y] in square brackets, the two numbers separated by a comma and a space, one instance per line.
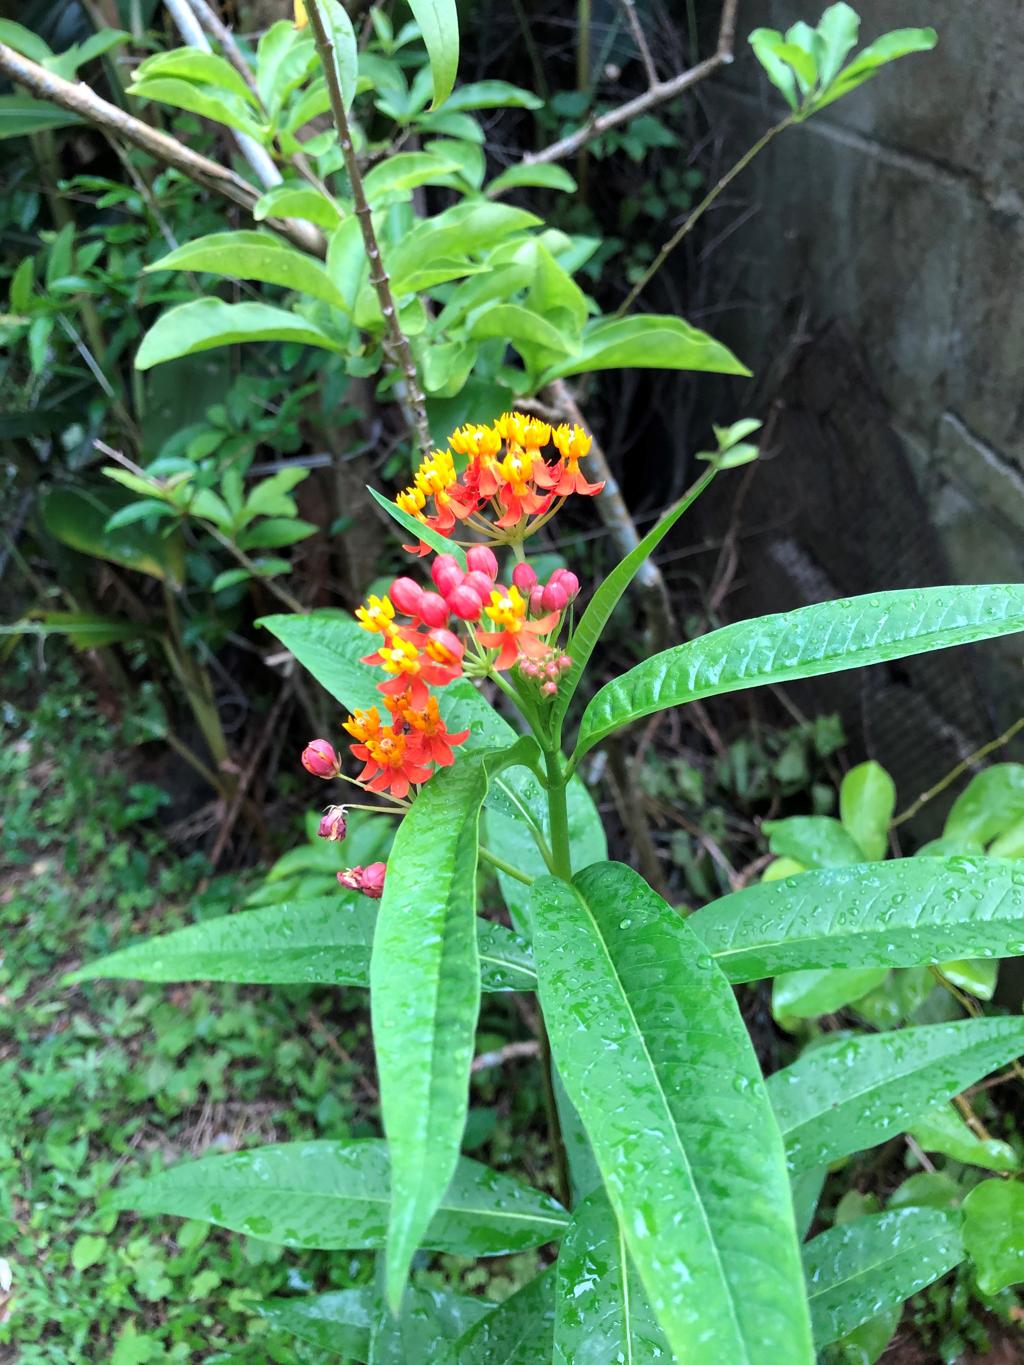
[658, 93]
[640, 38]
[396, 343]
[79, 99]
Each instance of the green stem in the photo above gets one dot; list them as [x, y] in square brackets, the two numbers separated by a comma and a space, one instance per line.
[505, 867]
[698, 213]
[558, 814]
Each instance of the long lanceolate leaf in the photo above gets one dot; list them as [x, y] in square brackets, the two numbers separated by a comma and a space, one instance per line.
[601, 1311]
[425, 994]
[333, 1195]
[898, 914]
[859, 1091]
[603, 603]
[656, 1058]
[861, 1268]
[824, 638]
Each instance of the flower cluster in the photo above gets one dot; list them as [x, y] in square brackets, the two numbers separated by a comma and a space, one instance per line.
[507, 489]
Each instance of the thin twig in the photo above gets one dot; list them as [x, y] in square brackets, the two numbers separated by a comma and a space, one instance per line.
[510, 1052]
[397, 342]
[655, 95]
[79, 99]
[246, 776]
[690, 222]
[640, 38]
[958, 771]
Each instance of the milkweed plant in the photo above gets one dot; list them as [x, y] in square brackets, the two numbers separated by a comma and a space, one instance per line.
[686, 1180]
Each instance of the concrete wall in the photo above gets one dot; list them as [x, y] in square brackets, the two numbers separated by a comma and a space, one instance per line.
[898, 213]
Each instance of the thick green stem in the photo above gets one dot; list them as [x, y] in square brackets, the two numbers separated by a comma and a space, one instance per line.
[558, 814]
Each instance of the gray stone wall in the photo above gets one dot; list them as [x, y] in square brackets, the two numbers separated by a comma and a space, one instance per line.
[899, 214]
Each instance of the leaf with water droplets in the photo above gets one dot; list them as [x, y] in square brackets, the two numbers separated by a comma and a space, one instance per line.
[823, 638]
[324, 942]
[861, 1090]
[517, 1332]
[601, 1311]
[338, 1321]
[334, 1195]
[943, 1130]
[813, 841]
[657, 1061]
[425, 993]
[896, 914]
[859, 1269]
[994, 1233]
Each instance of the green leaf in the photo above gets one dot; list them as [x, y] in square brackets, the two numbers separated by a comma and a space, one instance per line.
[23, 40]
[520, 327]
[650, 342]
[900, 42]
[338, 1321]
[346, 49]
[806, 643]
[78, 517]
[492, 95]
[977, 976]
[230, 578]
[601, 1311]
[943, 1130]
[87, 1250]
[324, 942]
[405, 171]
[415, 528]
[425, 994]
[838, 28]
[454, 235]
[335, 1195]
[275, 532]
[181, 94]
[188, 63]
[806, 994]
[867, 799]
[517, 1332]
[991, 803]
[861, 1090]
[205, 323]
[994, 1233]
[293, 200]
[439, 24]
[283, 58]
[85, 629]
[330, 644]
[895, 914]
[656, 1058]
[858, 1269]
[766, 43]
[254, 256]
[813, 840]
[21, 115]
[543, 176]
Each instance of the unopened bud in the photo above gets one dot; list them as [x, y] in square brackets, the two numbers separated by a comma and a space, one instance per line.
[554, 597]
[564, 662]
[464, 603]
[319, 758]
[568, 580]
[536, 601]
[529, 669]
[432, 610]
[406, 594]
[551, 669]
[446, 573]
[480, 583]
[549, 689]
[524, 576]
[333, 824]
[482, 559]
[369, 880]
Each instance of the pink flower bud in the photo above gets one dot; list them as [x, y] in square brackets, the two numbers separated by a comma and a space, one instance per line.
[536, 601]
[432, 609]
[554, 597]
[551, 669]
[446, 573]
[481, 559]
[564, 662]
[529, 669]
[524, 576]
[549, 689]
[568, 580]
[480, 583]
[464, 603]
[368, 880]
[319, 758]
[333, 824]
[406, 594]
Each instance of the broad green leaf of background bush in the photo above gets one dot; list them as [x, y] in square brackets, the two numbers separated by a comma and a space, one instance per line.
[254, 256]
[517, 1332]
[807, 643]
[425, 993]
[867, 800]
[206, 323]
[896, 914]
[296, 199]
[861, 1090]
[806, 994]
[858, 1269]
[943, 1130]
[21, 115]
[325, 942]
[335, 1195]
[78, 517]
[994, 1233]
[205, 100]
[601, 1310]
[992, 802]
[656, 1059]
[813, 840]
[645, 341]
[439, 24]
